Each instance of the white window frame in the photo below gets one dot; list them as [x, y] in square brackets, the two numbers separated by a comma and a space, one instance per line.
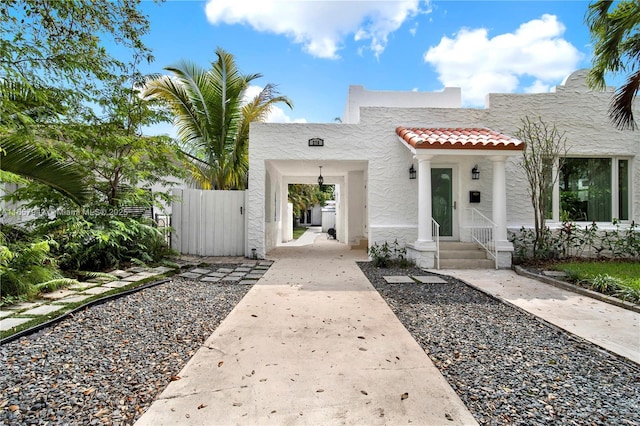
[615, 213]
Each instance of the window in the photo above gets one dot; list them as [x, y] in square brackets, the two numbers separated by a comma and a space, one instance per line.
[594, 189]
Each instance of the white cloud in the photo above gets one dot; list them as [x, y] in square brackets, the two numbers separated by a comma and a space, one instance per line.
[320, 26]
[537, 87]
[481, 65]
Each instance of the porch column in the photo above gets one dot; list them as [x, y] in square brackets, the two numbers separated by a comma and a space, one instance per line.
[499, 200]
[425, 236]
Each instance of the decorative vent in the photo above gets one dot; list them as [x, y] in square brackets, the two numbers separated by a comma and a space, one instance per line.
[316, 142]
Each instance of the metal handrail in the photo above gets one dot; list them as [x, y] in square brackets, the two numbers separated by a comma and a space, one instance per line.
[482, 231]
[435, 232]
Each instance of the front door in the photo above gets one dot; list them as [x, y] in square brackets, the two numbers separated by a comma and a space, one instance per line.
[442, 204]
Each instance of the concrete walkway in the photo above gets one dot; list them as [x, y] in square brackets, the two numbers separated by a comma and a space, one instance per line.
[613, 328]
[311, 343]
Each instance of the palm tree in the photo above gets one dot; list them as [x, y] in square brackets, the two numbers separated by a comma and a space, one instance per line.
[21, 108]
[213, 117]
[616, 38]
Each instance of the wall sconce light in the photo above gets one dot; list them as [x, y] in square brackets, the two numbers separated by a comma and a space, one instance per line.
[320, 179]
[475, 173]
[412, 172]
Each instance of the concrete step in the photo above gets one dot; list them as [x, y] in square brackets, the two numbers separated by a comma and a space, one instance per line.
[467, 264]
[361, 243]
[458, 255]
[457, 245]
[463, 254]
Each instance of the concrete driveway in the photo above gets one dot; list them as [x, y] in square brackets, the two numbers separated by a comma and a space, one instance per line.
[311, 343]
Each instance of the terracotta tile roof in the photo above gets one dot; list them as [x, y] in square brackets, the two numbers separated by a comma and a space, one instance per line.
[474, 138]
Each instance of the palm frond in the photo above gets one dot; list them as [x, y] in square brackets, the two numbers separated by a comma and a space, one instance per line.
[621, 108]
[20, 157]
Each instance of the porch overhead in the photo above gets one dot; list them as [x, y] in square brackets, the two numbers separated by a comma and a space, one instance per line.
[457, 139]
[429, 144]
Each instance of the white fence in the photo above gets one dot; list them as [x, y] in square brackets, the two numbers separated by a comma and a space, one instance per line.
[208, 223]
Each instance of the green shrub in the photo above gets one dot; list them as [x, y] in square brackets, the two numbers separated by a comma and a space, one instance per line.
[380, 255]
[571, 240]
[604, 283]
[24, 265]
[384, 255]
[106, 242]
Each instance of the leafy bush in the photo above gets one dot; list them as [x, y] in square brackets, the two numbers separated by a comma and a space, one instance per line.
[604, 283]
[571, 240]
[384, 255]
[106, 242]
[25, 265]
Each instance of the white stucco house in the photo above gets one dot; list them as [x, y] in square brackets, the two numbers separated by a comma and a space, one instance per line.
[465, 163]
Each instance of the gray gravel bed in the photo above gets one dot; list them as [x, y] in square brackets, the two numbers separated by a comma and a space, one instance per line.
[507, 366]
[107, 363]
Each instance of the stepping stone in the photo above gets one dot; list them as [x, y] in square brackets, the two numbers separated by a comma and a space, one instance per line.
[82, 285]
[137, 269]
[399, 279]
[117, 284]
[210, 279]
[242, 269]
[261, 268]
[97, 290]
[58, 294]
[200, 271]
[247, 282]
[190, 275]
[4, 314]
[249, 264]
[217, 274]
[225, 270]
[233, 279]
[9, 323]
[266, 263]
[253, 276]
[161, 270]
[135, 278]
[23, 305]
[429, 279]
[73, 299]
[237, 274]
[99, 280]
[42, 310]
[120, 273]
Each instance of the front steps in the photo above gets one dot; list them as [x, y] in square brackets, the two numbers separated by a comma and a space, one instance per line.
[457, 255]
[361, 243]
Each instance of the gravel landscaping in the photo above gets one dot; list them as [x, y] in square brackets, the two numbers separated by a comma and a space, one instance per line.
[507, 366]
[106, 364]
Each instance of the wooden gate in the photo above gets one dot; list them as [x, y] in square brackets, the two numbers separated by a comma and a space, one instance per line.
[208, 223]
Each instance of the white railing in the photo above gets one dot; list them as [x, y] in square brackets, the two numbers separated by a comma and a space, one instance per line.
[482, 231]
[435, 232]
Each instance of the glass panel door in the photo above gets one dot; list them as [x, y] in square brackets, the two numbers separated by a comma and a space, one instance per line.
[442, 199]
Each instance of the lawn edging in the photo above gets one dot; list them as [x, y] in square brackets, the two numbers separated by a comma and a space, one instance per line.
[577, 289]
[93, 302]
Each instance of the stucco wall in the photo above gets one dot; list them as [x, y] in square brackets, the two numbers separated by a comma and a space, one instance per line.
[583, 115]
[358, 97]
[391, 197]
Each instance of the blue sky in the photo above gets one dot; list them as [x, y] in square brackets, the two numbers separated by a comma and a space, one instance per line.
[313, 50]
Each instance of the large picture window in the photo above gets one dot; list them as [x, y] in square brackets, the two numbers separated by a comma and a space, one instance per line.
[594, 189]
